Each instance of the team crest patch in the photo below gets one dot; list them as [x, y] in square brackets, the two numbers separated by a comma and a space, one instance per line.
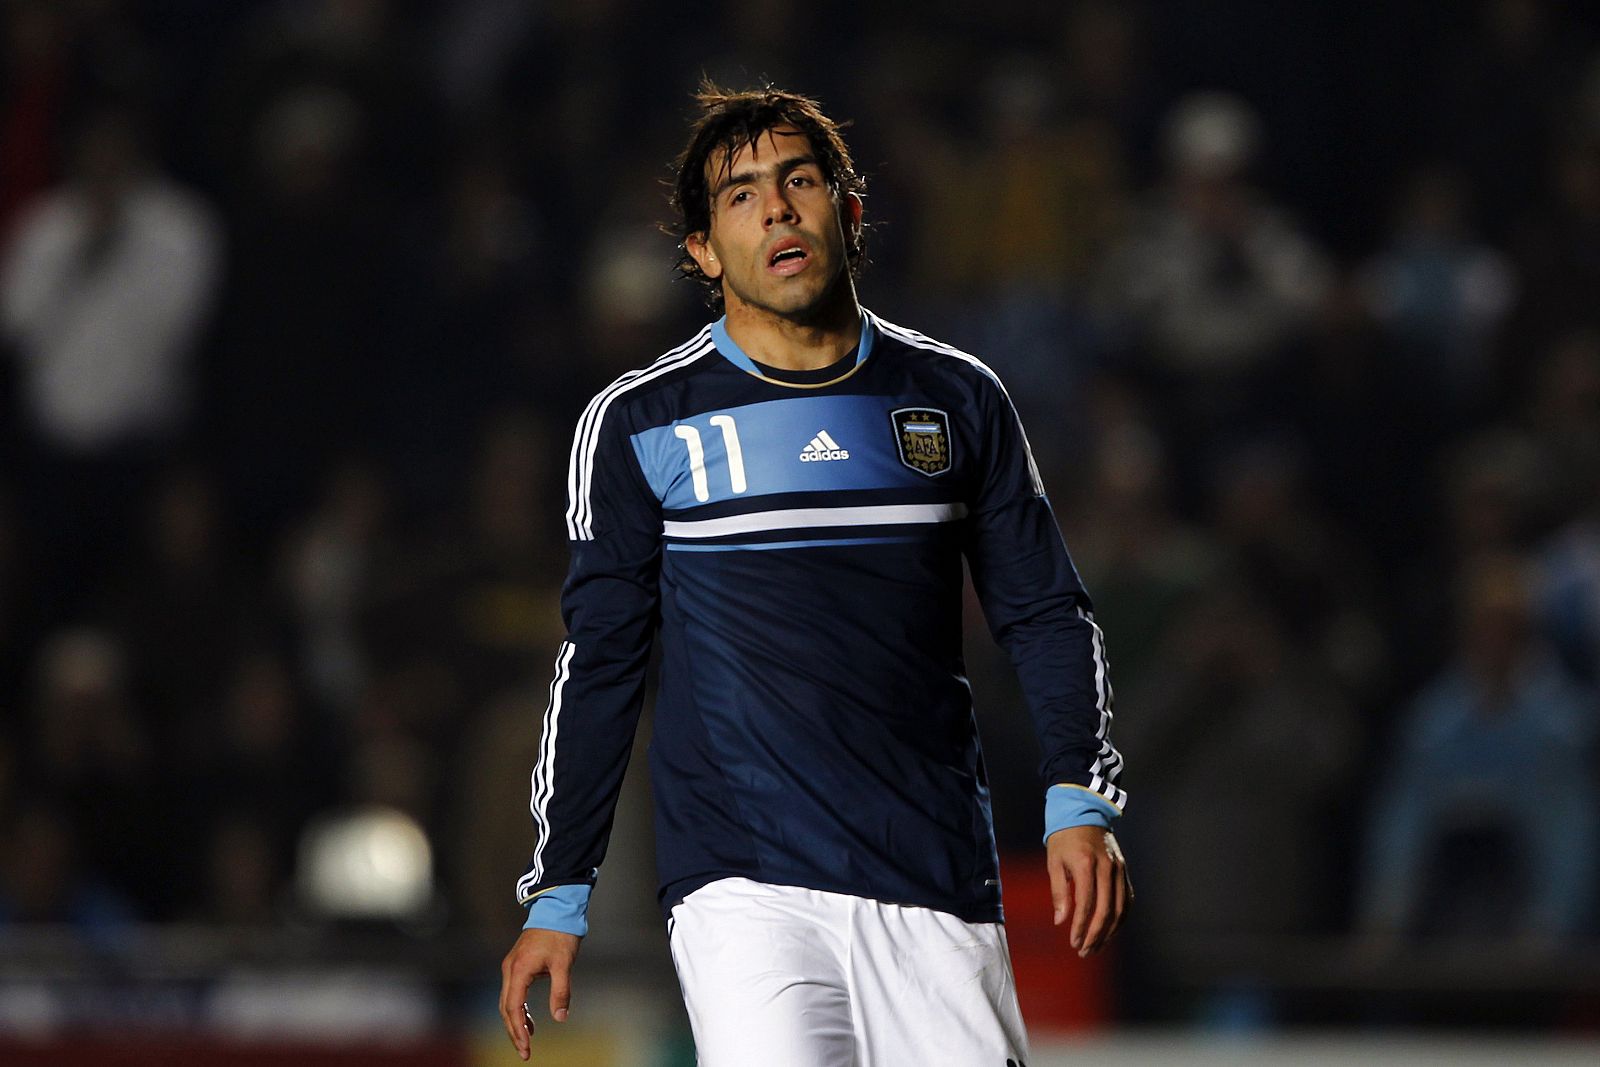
[923, 435]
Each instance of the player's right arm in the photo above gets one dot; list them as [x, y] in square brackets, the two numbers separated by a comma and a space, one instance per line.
[609, 605]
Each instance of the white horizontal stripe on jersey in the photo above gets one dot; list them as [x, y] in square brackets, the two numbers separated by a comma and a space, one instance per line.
[802, 518]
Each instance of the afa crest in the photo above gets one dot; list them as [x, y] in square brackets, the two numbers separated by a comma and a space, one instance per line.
[923, 435]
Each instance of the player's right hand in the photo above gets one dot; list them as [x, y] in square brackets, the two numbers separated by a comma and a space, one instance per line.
[536, 952]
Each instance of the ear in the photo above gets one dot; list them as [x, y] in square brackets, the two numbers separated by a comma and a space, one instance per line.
[699, 247]
[850, 215]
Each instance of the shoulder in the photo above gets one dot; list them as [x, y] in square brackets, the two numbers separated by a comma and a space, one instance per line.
[939, 356]
[641, 382]
[971, 375]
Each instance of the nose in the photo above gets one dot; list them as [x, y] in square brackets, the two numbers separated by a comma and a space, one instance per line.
[778, 207]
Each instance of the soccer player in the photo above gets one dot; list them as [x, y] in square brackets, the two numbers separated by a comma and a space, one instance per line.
[787, 498]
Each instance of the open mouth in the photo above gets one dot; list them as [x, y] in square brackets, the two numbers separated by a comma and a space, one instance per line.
[788, 256]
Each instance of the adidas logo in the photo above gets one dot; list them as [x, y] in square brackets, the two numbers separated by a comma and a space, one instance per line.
[821, 448]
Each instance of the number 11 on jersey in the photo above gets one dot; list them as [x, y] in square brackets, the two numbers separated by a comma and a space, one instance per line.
[697, 455]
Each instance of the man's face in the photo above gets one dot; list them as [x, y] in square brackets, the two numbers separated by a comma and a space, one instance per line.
[777, 241]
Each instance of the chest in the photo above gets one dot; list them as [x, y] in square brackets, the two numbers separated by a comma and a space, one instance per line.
[807, 444]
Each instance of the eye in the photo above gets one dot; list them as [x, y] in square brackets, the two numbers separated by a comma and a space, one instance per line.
[800, 179]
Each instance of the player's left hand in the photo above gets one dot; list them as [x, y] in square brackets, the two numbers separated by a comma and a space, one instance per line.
[1089, 882]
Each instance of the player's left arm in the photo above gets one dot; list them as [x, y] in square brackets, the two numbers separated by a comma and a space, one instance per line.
[1038, 611]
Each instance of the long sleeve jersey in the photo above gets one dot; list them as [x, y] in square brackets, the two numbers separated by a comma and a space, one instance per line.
[798, 545]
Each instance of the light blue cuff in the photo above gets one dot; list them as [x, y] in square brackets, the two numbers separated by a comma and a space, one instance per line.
[1070, 805]
[564, 908]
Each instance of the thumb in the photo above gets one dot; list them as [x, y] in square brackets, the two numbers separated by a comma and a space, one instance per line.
[560, 990]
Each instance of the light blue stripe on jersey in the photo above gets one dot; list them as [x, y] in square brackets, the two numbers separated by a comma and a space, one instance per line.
[736, 356]
[772, 435]
[1067, 805]
[564, 908]
[678, 546]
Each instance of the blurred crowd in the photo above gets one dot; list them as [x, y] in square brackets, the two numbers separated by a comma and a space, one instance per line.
[1301, 307]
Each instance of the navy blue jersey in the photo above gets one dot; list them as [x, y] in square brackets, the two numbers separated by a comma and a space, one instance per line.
[798, 547]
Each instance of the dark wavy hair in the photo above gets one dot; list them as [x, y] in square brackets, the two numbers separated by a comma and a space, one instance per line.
[731, 120]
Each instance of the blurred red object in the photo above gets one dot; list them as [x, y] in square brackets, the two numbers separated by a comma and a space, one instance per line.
[1057, 990]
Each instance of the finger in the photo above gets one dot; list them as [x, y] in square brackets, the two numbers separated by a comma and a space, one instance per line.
[1083, 899]
[1059, 895]
[1122, 892]
[1104, 900]
[560, 990]
[514, 1014]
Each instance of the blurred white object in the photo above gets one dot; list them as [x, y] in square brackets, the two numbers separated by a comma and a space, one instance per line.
[1211, 135]
[370, 863]
[103, 292]
[322, 1004]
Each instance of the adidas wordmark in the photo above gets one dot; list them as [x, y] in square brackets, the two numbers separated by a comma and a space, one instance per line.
[822, 448]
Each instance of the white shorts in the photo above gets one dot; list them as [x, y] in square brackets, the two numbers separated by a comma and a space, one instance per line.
[778, 976]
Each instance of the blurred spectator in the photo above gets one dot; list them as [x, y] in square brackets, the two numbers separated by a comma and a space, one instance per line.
[1440, 292]
[1562, 420]
[1357, 412]
[244, 875]
[1569, 592]
[1565, 417]
[1211, 282]
[263, 754]
[480, 602]
[1558, 253]
[626, 301]
[467, 297]
[1315, 587]
[89, 749]
[184, 607]
[1500, 93]
[299, 332]
[32, 91]
[16, 593]
[1104, 64]
[1486, 823]
[1246, 752]
[330, 569]
[1023, 212]
[393, 763]
[259, 772]
[1491, 489]
[43, 878]
[102, 296]
[104, 292]
[1141, 560]
[474, 43]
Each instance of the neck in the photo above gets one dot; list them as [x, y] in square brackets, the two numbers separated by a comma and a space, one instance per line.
[817, 339]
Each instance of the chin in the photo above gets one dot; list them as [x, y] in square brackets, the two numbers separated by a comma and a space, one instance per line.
[798, 301]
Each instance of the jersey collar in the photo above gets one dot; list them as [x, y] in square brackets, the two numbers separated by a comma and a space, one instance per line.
[735, 355]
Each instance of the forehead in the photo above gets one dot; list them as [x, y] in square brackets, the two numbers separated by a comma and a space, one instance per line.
[774, 145]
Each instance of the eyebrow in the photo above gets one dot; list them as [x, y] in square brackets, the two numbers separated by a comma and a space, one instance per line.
[781, 168]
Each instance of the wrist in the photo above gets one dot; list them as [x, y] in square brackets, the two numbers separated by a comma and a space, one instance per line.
[1067, 806]
[563, 908]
